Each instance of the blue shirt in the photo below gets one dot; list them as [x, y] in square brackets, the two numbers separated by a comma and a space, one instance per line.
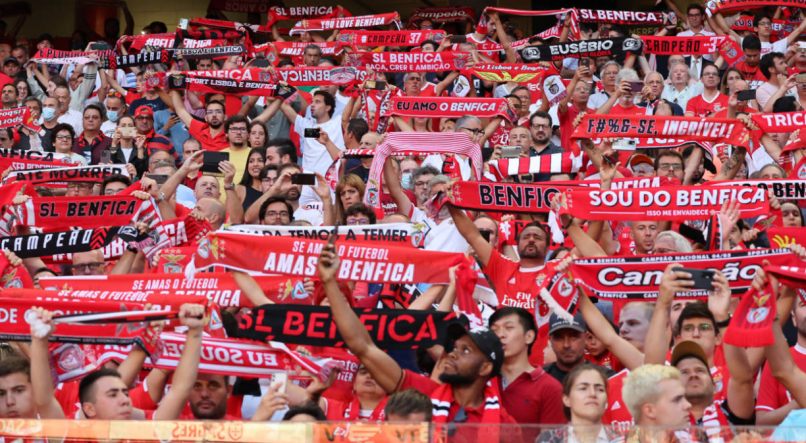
[178, 133]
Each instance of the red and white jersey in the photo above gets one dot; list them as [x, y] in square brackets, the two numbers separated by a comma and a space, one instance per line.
[771, 393]
[617, 413]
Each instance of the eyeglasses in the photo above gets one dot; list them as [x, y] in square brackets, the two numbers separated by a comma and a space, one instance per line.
[281, 214]
[642, 167]
[702, 327]
[672, 166]
[760, 24]
[695, 15]
[238, 129]
[710, 74]
[420, 184]
[94, 266]
[426, 27]
[63, 137]
[357, 221]
[215, 111]
[268, 180]
[540, 126]
[473, 131]
[610, 73]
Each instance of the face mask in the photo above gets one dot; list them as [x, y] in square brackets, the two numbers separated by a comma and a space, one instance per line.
[48, 113]
[112, 115]
[406, 182]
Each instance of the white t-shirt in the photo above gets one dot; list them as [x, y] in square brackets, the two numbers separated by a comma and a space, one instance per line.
[767, 47]
[315, 156]
[312, 216]
[440, 237]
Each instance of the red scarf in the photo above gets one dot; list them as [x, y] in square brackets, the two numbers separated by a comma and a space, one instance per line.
[168, 40]
[443, 402]
[778, 122]
[294, 50]
[307, 76]
[389, 38]
[751, 325]
[712, 7]
[408, 61]
[633, 278]
[783, 237]
[507, 72]
[503, 197]
[289, 256]
[354, 408]
[450, 107]
[669, 45]
[441, 14]
[481, 27]
[10, 118]
[177, 232]
[794, 277]
[364, 21]
[783, 189]
[714, 130]
[20, 160]
[303, 12]
[60, 213]
[623, 17]
[565, 162]
[396, 234]
[13, 276]
[231, 81]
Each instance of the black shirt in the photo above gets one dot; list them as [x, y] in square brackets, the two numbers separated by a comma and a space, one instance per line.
[550, 149]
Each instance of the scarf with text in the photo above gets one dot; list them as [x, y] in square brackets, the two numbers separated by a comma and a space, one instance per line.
[295, 50]
[778, 122]
[636, 278]
[670, 45]
[177, 232]
[52, 56]
[13, 276]
[142, 58]
[714, 130]
[305, 12]
[328, 24]
[714, 6]
[397, 234]
[73, 361]
[174, 289]
[64, 242]
[624, 17]
[780, 28]
[482, 27]
[507, 72]
[731, 51]
[442, 400]
[206, 34]
[166, 41]
[751, 324]
[290, 256]
[503, 197]
[382, 100]
[782, 189]
[210, 23]
[231, 81]
[241, 358]
[389, 38]
[211, 52]
[86, 174]
[26, 160]
[612, 47]
[565, 162]
[58, 213]
[408, 61]
[450, 107]
[10, 118]
[317, 76]
[491, 49]
[315, 326]
[791, 276]
[441, 14]
[443, 143]
[676, 203]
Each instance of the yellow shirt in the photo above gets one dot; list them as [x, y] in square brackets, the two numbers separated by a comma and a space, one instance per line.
[239, 159]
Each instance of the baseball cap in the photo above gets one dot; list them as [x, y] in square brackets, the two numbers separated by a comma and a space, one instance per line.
[486, 340]
[556, 323]
[144, 111]
[686, 349]
[11, 60]
[640, 158]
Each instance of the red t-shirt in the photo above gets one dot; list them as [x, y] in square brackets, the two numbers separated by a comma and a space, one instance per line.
[724, 113]
[515, 286]
[751, 74]
[703, 108]
[567, 125]
[617, 109]
[67, 396]
[617, 412]
[534, 397]
[201, 132]
[771, 393]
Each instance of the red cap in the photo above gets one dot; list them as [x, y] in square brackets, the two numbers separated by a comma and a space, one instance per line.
[144, 110]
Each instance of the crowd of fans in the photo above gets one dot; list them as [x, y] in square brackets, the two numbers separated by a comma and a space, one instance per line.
[659, 362]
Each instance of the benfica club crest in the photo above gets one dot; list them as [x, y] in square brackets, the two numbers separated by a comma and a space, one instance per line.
[71, 359]
[153, 81]
[757, 315]
[206, 247]
[554, 88]
[566, 288]
[355, 60]
[435, 37]
[418, 236]
[264, 76]
[10, 280]
[712, 6]
[461, 61]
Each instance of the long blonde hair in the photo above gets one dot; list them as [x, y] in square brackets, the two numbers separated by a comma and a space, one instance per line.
[353, 181]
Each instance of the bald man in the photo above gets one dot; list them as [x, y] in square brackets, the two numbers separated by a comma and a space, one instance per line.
[212, 210]
[89, 263]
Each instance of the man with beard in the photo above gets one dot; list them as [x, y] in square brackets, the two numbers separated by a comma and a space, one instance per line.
[276, 212]
[567, 340]
[475, 360]
[317, 153]
[209, 399]
[291, 193]
[236, 128]
[540, 129]
[211, 135]
[419, 180]
[9, 97]
[144, 123]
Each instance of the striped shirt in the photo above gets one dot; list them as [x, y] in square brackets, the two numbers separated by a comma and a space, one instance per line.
[74, 119]
[156, 141]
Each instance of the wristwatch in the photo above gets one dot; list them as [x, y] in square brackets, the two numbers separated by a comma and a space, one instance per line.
[161, 197]
[229, 187]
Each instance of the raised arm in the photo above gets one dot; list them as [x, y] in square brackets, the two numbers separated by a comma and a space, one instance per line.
[395, 190]
[471, 234]
[192, 316]
[250, 288]
[180, 110]
[41, 382]
[626, 353]
[384, 369]
[657, 344]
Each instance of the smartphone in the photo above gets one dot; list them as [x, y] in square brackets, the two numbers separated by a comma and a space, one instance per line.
[800, 78]
[159, 178]
[372, 84]
[129, 132]
[511, 151]
[749, 94]
[106, 156]
[458, 39]
[261, 63]
[703, 278]
[636, 86]
[183, 23]
[312, 132]
[100, 46]
[211, 161]
[303, 179]
[280, 377]
[624, 145]
[586, 62]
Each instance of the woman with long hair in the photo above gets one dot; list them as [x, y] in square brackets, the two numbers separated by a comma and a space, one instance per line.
[22, 91]
[257, 135]
[731, 75]
[349, 191]
[248, 189]
[584, 405]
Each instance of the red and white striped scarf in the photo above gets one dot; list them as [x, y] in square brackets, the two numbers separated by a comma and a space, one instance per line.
[565, 162]
[443, 142]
